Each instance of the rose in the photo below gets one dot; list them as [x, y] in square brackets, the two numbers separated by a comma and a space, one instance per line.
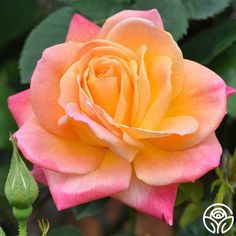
[116, 111]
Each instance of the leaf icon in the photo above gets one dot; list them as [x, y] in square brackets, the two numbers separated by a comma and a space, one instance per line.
[211, 224]
[225, 224]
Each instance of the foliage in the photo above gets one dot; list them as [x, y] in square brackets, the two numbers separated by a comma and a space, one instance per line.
[202, 9]
[225, 65]
[49, 32]
[65, 231]
[89, 209]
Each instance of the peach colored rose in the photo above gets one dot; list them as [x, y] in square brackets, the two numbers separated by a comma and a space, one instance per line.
[116, 111]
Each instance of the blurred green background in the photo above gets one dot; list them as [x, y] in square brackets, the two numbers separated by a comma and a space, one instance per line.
[205, 31]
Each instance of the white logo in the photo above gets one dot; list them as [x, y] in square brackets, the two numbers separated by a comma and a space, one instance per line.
[218, 218]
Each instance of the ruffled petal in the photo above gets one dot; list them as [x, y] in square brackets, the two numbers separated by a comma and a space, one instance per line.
[155, 201]
[81, 29]
[116, 144]
[150, 15]
[204, 98]
[112, 176]
[156, 166]
[20, 106]
[46, 150]
[181, 125]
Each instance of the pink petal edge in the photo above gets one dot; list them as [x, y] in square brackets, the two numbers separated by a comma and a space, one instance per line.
[230, 91]
[69, 156]
[81, 29]
[20, 107]
[111, 177]
[156, 201]
[39, 175]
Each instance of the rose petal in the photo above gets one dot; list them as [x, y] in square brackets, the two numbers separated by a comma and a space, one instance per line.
[46, 150]
[20, 107]
[45, 87]
[158, 42]
[112, 176]
[204, 98]
[151, 15]
[116, 144]
[124, 105]
[156, 166]
[155, 201]
[161, 89]
[97, 86]
[181, 125]
[143, 88]
[81, 29]
[230, 91]
[39, 175]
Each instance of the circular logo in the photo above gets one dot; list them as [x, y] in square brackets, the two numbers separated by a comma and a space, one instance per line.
[218, 218]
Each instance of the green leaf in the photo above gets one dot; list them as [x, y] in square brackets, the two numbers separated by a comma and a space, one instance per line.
[216, 183]
[219, 173]
[173, 13]
[220, 194]
[202, 9]
[196, 228]
[3, 177]
[17, 17]
[2, 233]
[7, 123]
[49, 32]
[191, 213]
[66, 230]
[210, 42]
[225, 65]
[194, 191]
[103, 8]
[181, 196]
[234, 164]
[89, 209]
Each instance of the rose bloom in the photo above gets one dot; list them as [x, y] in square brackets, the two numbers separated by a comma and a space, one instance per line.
[116, 111]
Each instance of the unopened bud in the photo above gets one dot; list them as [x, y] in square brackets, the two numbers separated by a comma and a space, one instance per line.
[21, 189]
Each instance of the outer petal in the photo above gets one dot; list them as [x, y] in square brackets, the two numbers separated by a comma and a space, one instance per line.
[20, 107]
[230, 91]
[45, 87]
[81, 29]
[52, 152]
[160, 167]
[155, 201]
[151, 15]
[112, 176]
[39, 175]
[204, 98]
